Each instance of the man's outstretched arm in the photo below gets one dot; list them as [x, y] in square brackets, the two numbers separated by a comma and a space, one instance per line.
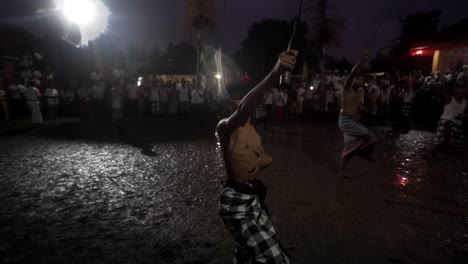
[286, 62]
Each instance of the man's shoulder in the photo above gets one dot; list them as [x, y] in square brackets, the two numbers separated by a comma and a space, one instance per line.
[222, 128]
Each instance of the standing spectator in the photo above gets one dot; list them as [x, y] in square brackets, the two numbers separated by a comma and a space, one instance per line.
[292, 101]
[448, 75]
[183, 99]
[119, 74]
[163, 98]
[154, 98]
[69, 105]
[143, 92]
[449, 130]
[407, 96]
[281, 101]
[372, 106]
[269, 103]
[309, 100]
[84, 95]
[198, 99]
[98, 89]
[330, 99]
[173, 99]
[339, 93]
[316, 82]
[132, 98]
[462, 77]
[3, 103]
[385, 102]
[116, 96]
[37, 76]
[16, 92]
[52, 101]
[32, 95]
[300, 99]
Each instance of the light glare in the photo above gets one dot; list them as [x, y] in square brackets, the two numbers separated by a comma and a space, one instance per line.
[79, 11]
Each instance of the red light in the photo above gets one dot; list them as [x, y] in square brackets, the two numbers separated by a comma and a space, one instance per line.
[419, 52]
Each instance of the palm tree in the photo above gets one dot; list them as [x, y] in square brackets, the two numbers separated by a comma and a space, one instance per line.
[200, 19]
[325, 33]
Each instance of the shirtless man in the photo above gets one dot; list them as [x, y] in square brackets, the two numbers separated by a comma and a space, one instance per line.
[358, 139]
[241, 201]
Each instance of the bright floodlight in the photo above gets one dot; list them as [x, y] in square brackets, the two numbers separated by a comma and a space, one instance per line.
[311, 87]
[79, 11]
[218, 76]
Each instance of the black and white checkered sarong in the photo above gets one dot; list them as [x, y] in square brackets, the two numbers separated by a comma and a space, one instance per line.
[449, 133]
[116, 114]
[406, 110]
[251, 227]
[155, 108]
[260, 112]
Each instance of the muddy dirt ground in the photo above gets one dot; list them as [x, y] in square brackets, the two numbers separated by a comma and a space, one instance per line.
[146, 192]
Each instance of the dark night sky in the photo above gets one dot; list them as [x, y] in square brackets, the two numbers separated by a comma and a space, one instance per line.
[158, 22]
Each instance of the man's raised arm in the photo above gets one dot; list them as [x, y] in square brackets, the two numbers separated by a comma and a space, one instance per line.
[286, 62]
[356, 69]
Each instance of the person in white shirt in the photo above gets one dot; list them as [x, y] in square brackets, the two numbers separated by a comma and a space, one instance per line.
[448, 75]
[330, 99]
[132, 97]
[68, 99]
[462, 77]
[198, 99]
[280, 102]
[52, 102]
[84, 94]
[339, 93]
[184, 105]
[316, 82]
[116, 74]
[164, 98]
[97, 81]
[98, 90]
[300, 99]
[269, 103]
[385, 102]
[116, 100]
[32, 96]
[407, 95]
[37, 77]
[143, 92]
[335, 77]
[449, 130]
[119, 74]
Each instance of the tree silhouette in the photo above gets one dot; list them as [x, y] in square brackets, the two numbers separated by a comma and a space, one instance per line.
[200, 19]
[326, 29]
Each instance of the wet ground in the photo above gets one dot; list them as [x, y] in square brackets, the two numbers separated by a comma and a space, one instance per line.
[146, 192]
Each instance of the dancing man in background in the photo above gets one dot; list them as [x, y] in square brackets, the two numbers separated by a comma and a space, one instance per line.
[358, 139]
